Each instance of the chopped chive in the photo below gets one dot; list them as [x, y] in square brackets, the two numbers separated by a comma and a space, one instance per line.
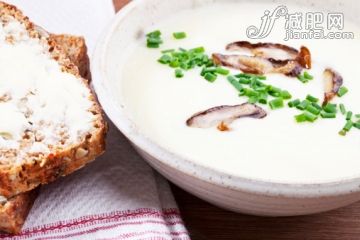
[294, 103]
[260, 89]
[174, 63]
[233, 81]
[348, 126]
[208, 70]
[305, 117]
[153, 45]
[310, 117]
[342, 133]
[342, 109]
[342, 91]
[168, 51]
[330, 108]
[154, 40]
[302, 78]
[243, 75]
[316, 105]
[179, 73]
[155, 34]
[274, 91]
[357, 125]
[261, 77]
[250, 92]
[184, 66]
[253, 99]
[263, 98]
[222, 71]
[165, 59]
[303, 105]
[308, 76]
[179, 35]
[210, 77]
[301, 118]
[349, 115]
[327, 115]
[198, 50]
[254, 84]
[276, 103]
[263, 101]
[244, 80]
[242, 92]
[310, 108]
[312, 99]
[285, 95]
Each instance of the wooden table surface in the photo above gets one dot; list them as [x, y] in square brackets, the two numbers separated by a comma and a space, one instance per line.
[207, 222]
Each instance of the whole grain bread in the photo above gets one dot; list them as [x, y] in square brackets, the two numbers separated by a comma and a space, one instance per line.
[13, 212]
[63, 159]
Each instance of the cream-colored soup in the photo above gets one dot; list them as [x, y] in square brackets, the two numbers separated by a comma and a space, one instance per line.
[275, 148]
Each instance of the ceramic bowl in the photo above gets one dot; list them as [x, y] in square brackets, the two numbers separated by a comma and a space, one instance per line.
[235, 193]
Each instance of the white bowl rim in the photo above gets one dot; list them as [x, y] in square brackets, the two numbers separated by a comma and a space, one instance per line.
[186, 166]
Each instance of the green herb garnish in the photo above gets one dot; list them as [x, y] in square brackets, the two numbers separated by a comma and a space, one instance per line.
[310, 108]
[294, 103]
[210, 77]
[179, 35]
[342, 91]
[179, 73]
[276, 103]
[342, 109]
[305, 77]
[330, 108]
[349, 115]
[312, 99]
[324, 114]
[154, 39]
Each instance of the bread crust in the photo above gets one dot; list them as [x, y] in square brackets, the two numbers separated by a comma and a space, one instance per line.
[30, 174]
[14, 212]
[75, 48]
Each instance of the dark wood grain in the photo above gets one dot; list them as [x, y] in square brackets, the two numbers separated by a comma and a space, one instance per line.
[207, 222]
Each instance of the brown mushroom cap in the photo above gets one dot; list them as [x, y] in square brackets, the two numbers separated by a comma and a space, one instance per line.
[225, 114]
[333, 81]
[262, 58]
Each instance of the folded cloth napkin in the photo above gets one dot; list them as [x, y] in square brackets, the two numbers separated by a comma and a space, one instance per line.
[116, 197]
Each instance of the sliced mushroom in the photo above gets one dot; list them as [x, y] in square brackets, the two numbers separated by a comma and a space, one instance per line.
[258, 65]
[264, 50]
[262, 58]
[224, 115]
[333, 81]
[304, 58]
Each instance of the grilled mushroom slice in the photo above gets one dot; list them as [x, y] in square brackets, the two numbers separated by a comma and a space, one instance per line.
[264, 50]
[304, 58]
[333, 81]
[262, 58]
[258, 65]
[222, 116]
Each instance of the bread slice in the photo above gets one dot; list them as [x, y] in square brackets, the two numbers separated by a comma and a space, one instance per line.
[13, 212]
[54, 124]
[75, 48]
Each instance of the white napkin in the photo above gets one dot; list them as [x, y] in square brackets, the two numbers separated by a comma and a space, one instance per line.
[116, 197]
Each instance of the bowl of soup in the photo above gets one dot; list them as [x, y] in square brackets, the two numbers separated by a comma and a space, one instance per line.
[250, 105]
